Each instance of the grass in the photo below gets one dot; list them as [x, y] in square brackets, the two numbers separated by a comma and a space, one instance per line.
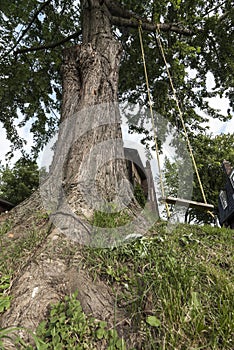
[16, 251]
[183, 278]
[176, 288]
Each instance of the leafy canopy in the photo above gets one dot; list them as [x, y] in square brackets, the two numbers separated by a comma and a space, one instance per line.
[209, 151]
[20, 181]
[30, 80]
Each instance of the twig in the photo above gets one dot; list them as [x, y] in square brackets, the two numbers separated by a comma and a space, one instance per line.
[214, 8]
[48, 46]
[27, 28]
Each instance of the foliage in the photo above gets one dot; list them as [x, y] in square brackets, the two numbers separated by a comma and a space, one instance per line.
[179, 279]
[5, 333]
[15, 252]
[31, 80]
[67, 327]
[110, 219]
[209, 152]
[171, 180]
[30, 83]
[139, 195]
[5, 300]
[18, 182]
[183, 54]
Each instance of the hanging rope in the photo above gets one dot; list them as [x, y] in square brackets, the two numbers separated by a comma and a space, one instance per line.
[152, 119]
[182, 119]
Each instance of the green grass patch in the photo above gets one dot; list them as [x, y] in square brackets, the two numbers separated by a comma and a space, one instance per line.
[15, 251]
[113, 219]
[176, 287]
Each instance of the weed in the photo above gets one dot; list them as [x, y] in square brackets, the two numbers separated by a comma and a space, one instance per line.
[5, 300]
[67, 327]
[139, 195]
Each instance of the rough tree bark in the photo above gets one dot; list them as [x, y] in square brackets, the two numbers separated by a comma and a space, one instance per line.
[89, 171]
[90, 78]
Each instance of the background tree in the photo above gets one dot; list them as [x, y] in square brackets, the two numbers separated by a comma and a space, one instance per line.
[20, 181]
[209, 151]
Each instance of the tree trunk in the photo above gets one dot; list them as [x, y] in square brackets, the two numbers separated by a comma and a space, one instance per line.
[88, 165]
[95, 164]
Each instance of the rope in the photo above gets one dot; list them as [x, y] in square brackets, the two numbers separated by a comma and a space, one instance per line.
[182, 120]
[152, 119]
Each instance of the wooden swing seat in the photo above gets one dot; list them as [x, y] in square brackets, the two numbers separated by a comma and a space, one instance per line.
[186, 202]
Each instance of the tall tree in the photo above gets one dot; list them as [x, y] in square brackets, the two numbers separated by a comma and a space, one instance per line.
[209, 151]
[89, 36]
[20, 181]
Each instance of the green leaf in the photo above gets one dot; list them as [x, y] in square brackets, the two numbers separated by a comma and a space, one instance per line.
[153, 321]
[102, 324]
[4, 303]
[120, 344]
[100, 333]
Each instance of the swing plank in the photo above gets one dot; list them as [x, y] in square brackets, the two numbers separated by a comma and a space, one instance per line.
[186, 202]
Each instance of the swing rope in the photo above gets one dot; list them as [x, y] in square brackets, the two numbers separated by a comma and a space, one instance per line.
[180, 115]
[152, 120]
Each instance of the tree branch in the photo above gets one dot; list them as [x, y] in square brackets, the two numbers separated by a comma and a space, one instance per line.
[213, 9]
[224, 16]
[120, 17]
[116, 10]
[27, 28]
[151, 27]
[48, 46]
[126, 18]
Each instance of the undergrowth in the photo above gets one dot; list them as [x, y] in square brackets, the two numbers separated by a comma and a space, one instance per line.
[176, 287]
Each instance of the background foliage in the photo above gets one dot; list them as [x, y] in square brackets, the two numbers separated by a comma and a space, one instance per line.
[18, 182]
[210, 151]
[30, 82]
